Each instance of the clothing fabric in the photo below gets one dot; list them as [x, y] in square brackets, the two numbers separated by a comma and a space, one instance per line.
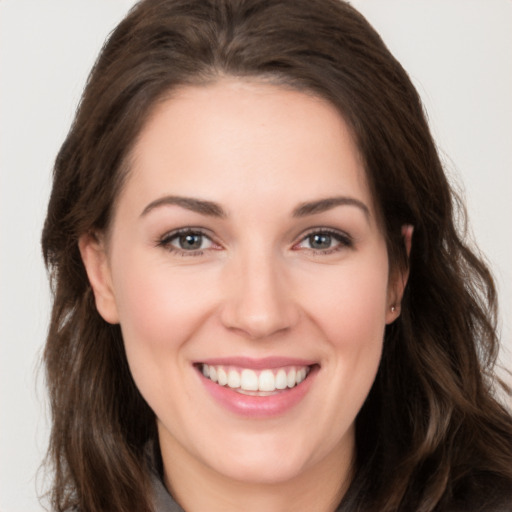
[163, 501]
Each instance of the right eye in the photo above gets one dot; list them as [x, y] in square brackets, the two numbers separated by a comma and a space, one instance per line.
[186, 241]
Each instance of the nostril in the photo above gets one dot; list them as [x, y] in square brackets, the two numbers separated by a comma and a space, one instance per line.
[259, 321]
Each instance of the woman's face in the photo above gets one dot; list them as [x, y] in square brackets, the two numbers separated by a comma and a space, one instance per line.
[247, 269]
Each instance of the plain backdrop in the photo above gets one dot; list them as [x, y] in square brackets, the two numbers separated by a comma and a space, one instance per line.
[458, 53]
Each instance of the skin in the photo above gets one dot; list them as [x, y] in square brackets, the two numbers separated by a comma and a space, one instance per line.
[258, 287]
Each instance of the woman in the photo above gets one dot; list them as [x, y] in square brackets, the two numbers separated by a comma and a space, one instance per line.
[261, 297]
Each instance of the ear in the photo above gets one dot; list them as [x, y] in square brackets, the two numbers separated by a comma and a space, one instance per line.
[94, 256]
[398, 279]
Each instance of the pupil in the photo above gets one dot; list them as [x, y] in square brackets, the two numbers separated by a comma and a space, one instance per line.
[320, 241]
[190, 241]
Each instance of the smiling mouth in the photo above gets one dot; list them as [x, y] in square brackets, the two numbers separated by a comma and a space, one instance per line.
[247, 381]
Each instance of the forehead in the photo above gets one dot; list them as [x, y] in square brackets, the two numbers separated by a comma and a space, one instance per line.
[213, 141]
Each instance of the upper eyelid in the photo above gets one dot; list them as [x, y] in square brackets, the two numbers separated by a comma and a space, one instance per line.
[169, 235]
[330, 231]
[181, 231]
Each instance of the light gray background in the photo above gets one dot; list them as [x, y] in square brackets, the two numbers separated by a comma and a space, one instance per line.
[458, 53]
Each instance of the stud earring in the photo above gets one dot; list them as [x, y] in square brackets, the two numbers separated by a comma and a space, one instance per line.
[393, 309]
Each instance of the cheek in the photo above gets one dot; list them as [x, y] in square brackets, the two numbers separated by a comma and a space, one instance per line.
[350, 305]
[354, 324]
[158, 316]
[159, 309]
[350, 313]
[144, 311]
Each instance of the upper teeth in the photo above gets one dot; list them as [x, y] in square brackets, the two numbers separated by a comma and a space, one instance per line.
[250, 380]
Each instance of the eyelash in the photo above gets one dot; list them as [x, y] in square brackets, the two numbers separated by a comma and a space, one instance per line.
[343, 239]
[168, 238]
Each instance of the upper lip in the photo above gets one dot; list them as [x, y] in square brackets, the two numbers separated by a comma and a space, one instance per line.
[257, 364]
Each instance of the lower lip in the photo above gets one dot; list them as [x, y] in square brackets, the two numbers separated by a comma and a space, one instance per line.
[259, 406]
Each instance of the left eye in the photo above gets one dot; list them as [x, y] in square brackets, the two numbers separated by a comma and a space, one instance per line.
[320, 241]
[324, 241]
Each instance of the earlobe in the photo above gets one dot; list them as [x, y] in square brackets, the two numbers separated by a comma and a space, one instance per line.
[397, 286]
[95, 260]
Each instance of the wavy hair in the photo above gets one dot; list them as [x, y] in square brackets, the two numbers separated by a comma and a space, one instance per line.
[431, 435]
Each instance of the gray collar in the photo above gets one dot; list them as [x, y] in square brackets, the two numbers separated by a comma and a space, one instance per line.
[162, 500]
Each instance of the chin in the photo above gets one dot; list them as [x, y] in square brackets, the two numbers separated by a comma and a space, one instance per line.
[260, 470]
[266, 459]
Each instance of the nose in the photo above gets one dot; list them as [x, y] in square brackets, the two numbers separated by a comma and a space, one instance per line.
[258, 300]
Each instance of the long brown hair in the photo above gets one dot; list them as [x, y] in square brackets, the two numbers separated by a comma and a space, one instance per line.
[431, 435]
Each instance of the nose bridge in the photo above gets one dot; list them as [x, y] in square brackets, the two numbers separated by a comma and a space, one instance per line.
[258, 300]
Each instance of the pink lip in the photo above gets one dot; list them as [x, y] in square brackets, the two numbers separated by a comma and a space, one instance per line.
[258, 406]
[257, 364]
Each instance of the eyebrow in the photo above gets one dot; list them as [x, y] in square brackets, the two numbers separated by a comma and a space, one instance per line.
[322, 205]
[196, 205]
[213, 209]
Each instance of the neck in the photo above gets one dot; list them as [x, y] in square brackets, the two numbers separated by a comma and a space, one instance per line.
[198, 487]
